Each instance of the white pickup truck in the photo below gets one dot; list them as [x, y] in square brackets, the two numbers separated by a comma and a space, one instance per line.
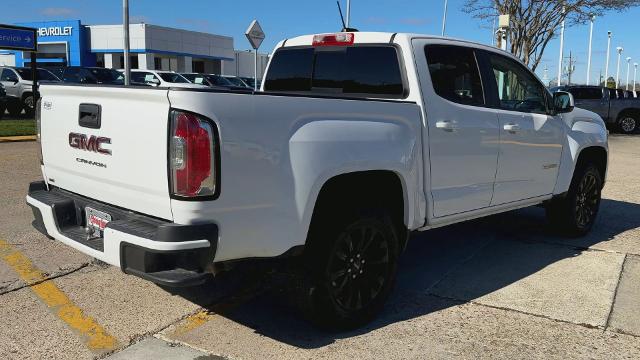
[354, 141]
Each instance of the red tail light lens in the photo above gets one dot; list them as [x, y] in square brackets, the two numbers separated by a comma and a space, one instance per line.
[192, 156]
[339, 39]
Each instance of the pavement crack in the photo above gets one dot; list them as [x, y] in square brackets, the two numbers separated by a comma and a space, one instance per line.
[48, 278]
[588, 326]
[615, 293]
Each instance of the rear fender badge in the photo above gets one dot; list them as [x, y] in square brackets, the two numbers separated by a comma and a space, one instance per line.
[47, 105]
[90, 143]
[549, 166]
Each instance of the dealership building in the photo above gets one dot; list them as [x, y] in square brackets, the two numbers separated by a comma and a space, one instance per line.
[70, 43]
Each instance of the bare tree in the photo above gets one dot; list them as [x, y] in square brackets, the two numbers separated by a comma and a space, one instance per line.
[535, 22]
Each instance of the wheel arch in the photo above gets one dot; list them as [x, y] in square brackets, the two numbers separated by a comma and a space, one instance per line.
[368, 189]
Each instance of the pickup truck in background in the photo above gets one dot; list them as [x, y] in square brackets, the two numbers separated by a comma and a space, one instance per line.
[619, 112]
[354, 141]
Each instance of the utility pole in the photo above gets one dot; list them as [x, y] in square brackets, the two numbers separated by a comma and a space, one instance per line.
[606, 66]
[561, 49]
[125, 24]
[589, 57]
[444, 17]
[570, 68]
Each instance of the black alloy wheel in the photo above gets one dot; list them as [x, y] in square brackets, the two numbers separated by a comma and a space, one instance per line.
[358, 267]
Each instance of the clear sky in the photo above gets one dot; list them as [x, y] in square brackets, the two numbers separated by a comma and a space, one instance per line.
[287, 18]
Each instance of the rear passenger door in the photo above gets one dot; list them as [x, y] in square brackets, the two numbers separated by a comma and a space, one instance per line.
[530, 134]
[462, 140]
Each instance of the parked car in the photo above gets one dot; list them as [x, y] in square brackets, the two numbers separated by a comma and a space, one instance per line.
[212, 80]
[162, 79]
[620, 113]
[236, 81]
[18, 84]
[92, 75]
[330, 169]
[250, 81]
[628, 94]
[3, 101]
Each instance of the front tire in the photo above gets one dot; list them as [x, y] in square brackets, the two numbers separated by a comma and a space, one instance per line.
[14, 108]
[628, 123]
[576, 212]
[349, 272]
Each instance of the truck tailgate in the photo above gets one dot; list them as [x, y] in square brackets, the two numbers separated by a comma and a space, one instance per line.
[133, 127]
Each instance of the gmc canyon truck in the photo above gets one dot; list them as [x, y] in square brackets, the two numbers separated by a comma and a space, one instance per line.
[354, 141]
[621, 113]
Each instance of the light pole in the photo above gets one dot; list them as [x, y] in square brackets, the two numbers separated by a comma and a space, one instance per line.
[589, 57]
[561, 49]
[619, 49]
[606, 66]
[635, 72]
[125, 24]
[444, 17]
[348, 12]
[628, 70]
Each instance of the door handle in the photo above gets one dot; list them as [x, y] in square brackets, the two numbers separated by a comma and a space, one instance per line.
[512, 128]
[446, 126]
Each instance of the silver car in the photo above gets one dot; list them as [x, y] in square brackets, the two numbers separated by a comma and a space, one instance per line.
[18, 84]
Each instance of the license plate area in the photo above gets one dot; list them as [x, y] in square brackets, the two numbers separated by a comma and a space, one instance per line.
[96, 221]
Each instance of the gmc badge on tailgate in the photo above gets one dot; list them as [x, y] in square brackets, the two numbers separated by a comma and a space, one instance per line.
[89, 143]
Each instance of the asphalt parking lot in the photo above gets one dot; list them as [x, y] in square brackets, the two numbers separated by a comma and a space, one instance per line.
[501, 287]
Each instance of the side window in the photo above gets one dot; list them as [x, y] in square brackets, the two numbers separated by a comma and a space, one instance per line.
[578, 93]
[518, 89]
[593, 93]
[454, 74]
[8, 75]
[137, 77]
[71, 75]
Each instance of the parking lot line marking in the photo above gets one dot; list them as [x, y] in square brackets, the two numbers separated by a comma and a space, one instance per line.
[192, 322]
[96, 338]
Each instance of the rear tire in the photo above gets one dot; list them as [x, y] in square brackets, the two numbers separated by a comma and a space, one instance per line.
[575, 213]
[2, 109]
[348, 270]
[628, 123]
[28, 105]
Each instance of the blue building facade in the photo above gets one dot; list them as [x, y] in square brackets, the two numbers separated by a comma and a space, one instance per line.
[60, 43]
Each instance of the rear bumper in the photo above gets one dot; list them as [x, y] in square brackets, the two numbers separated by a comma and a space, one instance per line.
[163, 252]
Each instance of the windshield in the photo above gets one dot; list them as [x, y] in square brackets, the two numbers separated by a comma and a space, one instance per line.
[249, 81]
[107, 76]
[173, 78]
[219, 80]
[236, 81]
[43, 74]
[196, 79]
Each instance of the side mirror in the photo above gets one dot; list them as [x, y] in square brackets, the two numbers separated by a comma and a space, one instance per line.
[563, 102]
[154, 82]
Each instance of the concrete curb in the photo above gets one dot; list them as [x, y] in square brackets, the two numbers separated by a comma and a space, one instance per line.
[17, 138]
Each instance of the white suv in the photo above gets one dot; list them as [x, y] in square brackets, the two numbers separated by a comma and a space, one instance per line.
[161, 79]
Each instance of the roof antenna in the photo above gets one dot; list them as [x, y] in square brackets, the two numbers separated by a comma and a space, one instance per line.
[344, 26]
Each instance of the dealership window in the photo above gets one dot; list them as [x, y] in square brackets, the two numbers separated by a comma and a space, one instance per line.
[133, 61]
[157, 63]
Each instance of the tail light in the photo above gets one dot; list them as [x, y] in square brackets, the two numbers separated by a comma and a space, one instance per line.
[338, 39]
[39, 129]
[192, 156]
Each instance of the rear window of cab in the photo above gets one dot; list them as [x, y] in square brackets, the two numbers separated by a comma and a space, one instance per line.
[367, 71]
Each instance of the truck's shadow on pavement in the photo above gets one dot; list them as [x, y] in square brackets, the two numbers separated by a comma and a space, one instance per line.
[441, 268]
